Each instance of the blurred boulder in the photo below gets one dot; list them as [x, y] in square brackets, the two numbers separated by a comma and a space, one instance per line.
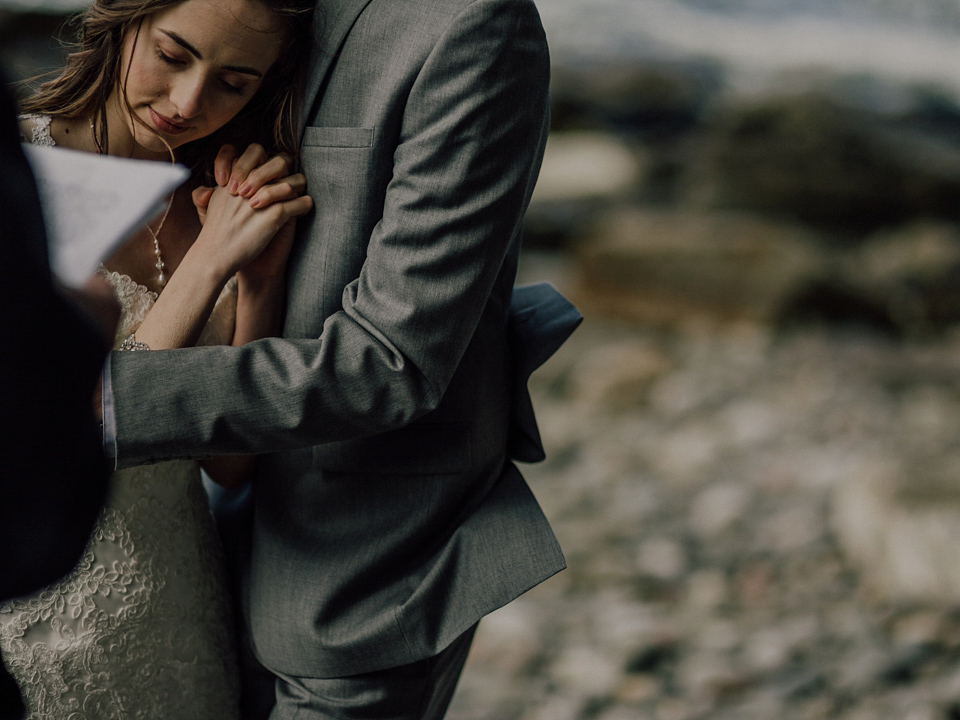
[617, 376]
[582, 172]
[586, 165]
[667, 266]
[899, 521]
[913, 273]
[838, 168]
[640, 98]
[903, 282]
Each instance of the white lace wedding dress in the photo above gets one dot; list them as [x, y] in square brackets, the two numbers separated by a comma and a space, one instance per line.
[142, 628]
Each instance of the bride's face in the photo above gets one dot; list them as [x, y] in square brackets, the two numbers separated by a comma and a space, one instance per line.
[191, 69]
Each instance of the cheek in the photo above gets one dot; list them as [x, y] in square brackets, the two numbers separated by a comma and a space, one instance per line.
[142, 78]
[224, 110]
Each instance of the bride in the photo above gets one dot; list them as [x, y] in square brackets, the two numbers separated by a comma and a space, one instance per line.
[142, 627]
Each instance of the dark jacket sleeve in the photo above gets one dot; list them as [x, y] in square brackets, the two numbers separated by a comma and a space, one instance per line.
[53, 476]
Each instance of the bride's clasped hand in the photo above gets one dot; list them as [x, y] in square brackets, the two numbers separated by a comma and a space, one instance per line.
[255, 198]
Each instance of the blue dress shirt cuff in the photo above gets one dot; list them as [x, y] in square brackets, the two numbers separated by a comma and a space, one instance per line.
[109, 416]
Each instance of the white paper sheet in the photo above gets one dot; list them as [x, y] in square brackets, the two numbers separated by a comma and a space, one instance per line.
[92, 203]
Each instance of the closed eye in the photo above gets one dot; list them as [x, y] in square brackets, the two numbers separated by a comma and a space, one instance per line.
[235, 89]
[167, 58]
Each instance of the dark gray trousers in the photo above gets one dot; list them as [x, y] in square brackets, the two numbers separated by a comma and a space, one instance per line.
[418, 691]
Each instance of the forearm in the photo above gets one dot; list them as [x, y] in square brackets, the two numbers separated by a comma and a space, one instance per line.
[259, 311]
[259, 308]
[181, 311]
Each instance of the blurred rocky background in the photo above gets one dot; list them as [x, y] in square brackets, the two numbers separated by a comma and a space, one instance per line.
[754, 438]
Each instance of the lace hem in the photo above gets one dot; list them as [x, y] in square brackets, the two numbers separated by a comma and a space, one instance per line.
[142, 628]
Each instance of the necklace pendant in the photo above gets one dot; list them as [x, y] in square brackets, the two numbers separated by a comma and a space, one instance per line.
[155, 234]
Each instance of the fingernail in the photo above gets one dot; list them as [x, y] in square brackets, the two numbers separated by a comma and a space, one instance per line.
[244, 189]
[233, 186]
[255, 202]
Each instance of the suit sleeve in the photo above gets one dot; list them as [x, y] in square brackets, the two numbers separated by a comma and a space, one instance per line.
[469, 150]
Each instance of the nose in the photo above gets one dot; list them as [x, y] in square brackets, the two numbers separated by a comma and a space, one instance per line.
[187, 95]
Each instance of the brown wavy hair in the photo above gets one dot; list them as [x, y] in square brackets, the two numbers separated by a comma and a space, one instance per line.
[92, 71]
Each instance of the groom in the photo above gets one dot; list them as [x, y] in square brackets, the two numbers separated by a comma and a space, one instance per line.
[388, 516]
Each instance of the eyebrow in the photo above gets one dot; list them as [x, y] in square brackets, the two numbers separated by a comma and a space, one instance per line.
[196, 53]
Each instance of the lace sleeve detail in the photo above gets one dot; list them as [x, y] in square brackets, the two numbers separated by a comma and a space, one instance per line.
[41, 130]
[135, 302]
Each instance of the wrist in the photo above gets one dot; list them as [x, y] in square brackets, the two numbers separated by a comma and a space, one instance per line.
[205, 262]
[259, 285]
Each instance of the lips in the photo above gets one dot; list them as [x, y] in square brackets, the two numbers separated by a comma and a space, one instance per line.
[165, 124]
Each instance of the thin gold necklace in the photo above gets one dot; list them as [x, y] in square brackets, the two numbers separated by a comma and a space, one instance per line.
[155, 234]
[159, 265]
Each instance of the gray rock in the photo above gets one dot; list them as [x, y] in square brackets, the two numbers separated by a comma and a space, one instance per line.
[911, 273]
[666, 266]
[718, 507]
[899, 521]
[831, 166]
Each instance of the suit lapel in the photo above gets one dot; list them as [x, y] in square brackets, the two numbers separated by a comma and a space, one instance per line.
[331, 23]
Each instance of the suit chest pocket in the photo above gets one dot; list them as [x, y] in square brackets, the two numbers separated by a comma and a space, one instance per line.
[341, 168]
[344, 181]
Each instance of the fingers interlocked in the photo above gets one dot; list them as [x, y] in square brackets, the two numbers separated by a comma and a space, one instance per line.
[261, 179]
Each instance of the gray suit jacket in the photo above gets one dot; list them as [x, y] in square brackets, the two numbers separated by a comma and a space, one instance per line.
[388, 517]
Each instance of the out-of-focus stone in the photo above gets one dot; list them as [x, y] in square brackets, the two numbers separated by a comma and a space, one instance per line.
[900, 522]
[792, 528]
[674, 709]
[587, 671]
[718, 507]
[585, 165]
[860, 667]
[635, 689]
[506, 642]
[919, 627]
[767, 649]
[772, 646]
[583, 172]
[832, 166]
[652, 99]
[754, 586]
[623, 713]
[750, 423]
[685, 454]
[556, 707]
[705, 675]
[719, 635]
[706, 589]
[666, 266]
[913, 273]
[661, 558]
[618, 376]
